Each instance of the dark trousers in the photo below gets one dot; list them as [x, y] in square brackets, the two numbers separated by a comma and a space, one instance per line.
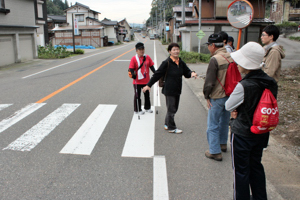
[172, 103]
[137, 97]
[248, 170]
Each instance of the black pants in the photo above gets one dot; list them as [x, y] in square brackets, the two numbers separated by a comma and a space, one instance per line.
[172, 103]
[137, 97]
[248, 170]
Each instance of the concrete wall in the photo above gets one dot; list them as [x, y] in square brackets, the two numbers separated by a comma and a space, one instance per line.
[21, 13]
[18, 43]
[110, 32]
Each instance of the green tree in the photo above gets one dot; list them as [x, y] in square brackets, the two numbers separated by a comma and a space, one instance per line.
[158, 5]
[66, 4]
[56, 7]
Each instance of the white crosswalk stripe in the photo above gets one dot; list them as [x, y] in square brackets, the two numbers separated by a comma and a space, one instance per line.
[140, 138]
[139, 142]
[38, 132]
[19, 115]
[245, 19]
[85, 139]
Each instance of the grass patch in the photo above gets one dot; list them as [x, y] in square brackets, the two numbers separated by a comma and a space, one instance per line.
[79, 51]
[119, 42]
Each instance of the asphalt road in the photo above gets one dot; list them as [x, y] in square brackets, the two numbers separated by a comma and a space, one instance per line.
[44, 104]
[291, 50]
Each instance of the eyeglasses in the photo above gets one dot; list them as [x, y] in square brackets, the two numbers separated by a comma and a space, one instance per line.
[264, 34]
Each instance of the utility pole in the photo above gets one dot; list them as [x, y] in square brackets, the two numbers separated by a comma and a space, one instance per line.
[156, 18]
[73, 33]
[183, 12]
[160, 17]
[199, 40]
[164, 25]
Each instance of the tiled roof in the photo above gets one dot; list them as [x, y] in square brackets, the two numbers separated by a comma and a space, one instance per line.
[108, 22]
[82, 5]
[93, 19]
[265, 20]
[57, 18]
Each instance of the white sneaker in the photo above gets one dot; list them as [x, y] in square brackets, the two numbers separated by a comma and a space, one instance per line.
[175, 131]
[140, 113]
[149, 111]
[165, 127]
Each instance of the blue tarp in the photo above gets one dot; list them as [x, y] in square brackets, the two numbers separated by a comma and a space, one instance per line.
[76, 47]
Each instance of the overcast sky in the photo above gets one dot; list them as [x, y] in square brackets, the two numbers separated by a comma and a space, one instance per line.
[135, 11]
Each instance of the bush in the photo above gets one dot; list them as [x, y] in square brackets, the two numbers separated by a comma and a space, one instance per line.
[79, 51]
[194, 57]
[180, 45]
[205, 57]
[294, 38]
[286, 24]
[49, 52]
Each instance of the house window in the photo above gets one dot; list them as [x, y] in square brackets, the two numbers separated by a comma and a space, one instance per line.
[80, 18]
[40, 10]
[274, 7]
[2, 4]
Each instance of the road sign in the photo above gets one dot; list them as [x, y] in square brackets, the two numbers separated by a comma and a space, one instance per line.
[200, 34]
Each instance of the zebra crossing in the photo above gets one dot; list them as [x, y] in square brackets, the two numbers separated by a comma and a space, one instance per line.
[245, 19]
[85, 138]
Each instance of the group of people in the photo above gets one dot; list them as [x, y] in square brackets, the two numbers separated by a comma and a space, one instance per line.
[261, 68]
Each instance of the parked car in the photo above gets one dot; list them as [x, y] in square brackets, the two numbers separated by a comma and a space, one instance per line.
[151, 37]
[126, 40]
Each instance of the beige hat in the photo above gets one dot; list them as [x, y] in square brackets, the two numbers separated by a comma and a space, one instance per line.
[250, 56]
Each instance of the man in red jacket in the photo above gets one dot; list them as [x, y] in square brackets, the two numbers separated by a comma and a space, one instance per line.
[139, 67]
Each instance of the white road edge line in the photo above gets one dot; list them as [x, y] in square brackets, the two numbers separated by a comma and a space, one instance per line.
[160, 178]
[122, 60]
[71, 62]
[19, 115]
[37, 133]
[156, 94]
[86, 137]
[140, 137]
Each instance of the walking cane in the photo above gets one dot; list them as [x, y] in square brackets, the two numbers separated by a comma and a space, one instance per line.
[137, 100]
[157, 96]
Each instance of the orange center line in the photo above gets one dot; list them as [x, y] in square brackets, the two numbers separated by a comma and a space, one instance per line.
[79, 79]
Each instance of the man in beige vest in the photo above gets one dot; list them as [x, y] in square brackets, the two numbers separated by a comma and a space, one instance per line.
[274, 52]
[218, 117]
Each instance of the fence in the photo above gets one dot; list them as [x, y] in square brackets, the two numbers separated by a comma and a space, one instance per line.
[89, 38]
